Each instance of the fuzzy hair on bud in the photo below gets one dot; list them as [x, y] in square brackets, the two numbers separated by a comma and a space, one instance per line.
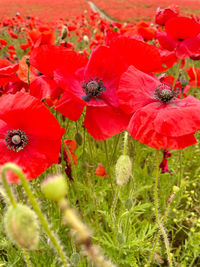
[123, 170]
[54, 187]
[22, 227]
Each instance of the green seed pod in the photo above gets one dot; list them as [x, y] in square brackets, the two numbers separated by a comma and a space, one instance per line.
[123, 170]
[22, 226]
[54, 187]
[78, 138]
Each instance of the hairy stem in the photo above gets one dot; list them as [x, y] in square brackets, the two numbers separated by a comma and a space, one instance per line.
[158, 220]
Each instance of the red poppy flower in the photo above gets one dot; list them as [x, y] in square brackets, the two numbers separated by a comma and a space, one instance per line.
[183, 34]
[143, 56]
[163, 15]
[70, 151]
[30, 136]
[100, 170]
[146, 31]
[47, 59]
[93, 85]
[160, 119]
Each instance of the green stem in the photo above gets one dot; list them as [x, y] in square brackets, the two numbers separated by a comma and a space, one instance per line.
[159, 222]
[125, 143]
[176, 74]
[26, 257]
[7, 189]
[115, 202]
[116, 141]
[43, 221]
[158, 236]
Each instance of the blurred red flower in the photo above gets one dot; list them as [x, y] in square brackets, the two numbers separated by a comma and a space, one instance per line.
[100, 170]
[163, 15]
[183, 34]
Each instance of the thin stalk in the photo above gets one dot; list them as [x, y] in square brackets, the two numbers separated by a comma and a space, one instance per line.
[125, 143]
[114, 204]
[8, 190]
[117, 137]
[159, 222]
[158, 236]
[27, 258]
[42, 219]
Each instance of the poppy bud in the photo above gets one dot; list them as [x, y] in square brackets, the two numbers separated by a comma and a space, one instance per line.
[22, 226]
[54, 187]
[176, 189]
[64, 33]
[123, 170]
[129, 204]
[86, 39]
[78, 138]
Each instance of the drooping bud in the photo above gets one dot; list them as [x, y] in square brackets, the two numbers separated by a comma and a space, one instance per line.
[64, 33]
[123, 170]
[22, 226]
[54, 187]
[78, 138]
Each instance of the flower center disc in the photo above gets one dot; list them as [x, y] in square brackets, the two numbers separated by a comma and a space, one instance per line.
[164, 93]
[92, 88]
[16, 140]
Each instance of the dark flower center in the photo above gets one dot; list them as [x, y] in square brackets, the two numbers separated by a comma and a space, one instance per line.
[164, 93]
[92, 88]
[16, 140]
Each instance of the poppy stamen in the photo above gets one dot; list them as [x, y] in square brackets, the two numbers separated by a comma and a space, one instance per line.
[16, 140]
[92, 88]
[164, 93]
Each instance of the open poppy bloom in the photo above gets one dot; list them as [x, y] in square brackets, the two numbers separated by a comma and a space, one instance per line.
[30, 136]
[48, 58]
[91, 84]
[163, 15]
[183, 34]
[141, 55]
[160, 119]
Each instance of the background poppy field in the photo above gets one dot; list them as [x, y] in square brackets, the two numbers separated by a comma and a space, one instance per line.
[128, 10]
[92, 191]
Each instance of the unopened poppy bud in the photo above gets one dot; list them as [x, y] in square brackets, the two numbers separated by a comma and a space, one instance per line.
[28, 62]
[115, 29]
[86, 39]
[175, 189]
[123, 170]
[75, 259]
[64, 33]
[78, 138]
[129, 204]
[54, 187]
[22, 226]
